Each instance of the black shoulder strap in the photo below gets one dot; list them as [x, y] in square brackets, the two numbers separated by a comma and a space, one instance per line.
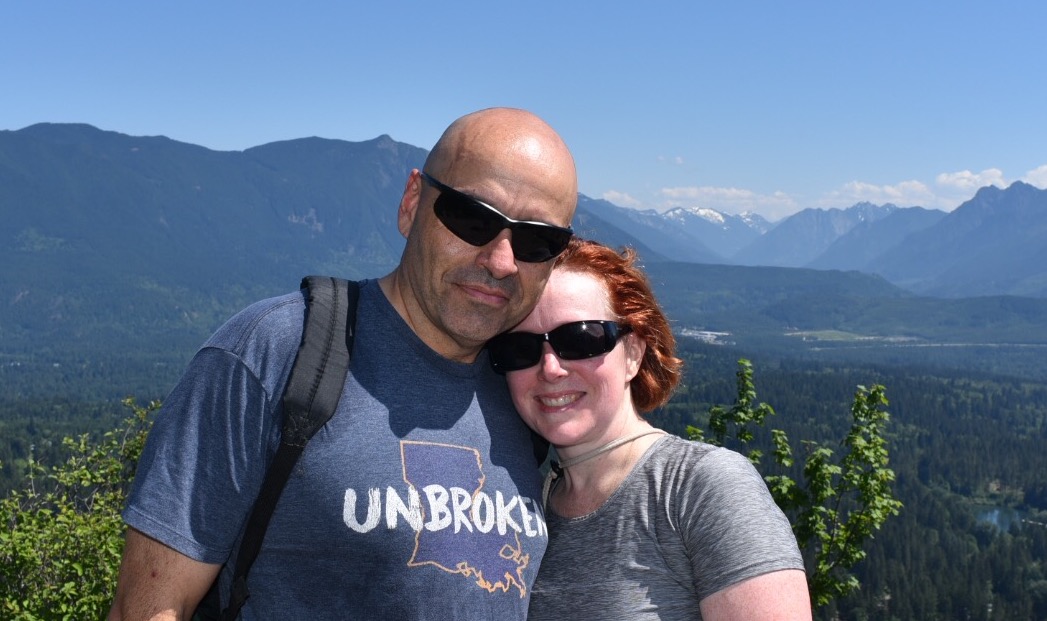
[309, 401]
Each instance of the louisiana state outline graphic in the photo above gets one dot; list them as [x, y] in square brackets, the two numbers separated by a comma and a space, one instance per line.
[466, 529]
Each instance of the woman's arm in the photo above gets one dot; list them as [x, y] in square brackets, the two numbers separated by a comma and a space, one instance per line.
[777, 596]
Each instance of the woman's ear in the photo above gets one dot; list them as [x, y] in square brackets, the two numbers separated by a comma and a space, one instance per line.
[635, 347]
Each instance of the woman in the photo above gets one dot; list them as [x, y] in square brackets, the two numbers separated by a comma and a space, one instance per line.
[642, 524]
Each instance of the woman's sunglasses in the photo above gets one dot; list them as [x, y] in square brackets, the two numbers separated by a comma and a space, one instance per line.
[477, 223]
[512, 351]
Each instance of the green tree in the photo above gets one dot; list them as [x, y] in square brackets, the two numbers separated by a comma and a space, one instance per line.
[840, 503]
[62, 535]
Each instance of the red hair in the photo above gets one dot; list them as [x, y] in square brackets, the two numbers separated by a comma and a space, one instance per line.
[633, 301]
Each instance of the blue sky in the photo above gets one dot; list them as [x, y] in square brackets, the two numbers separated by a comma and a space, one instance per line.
[769, 107]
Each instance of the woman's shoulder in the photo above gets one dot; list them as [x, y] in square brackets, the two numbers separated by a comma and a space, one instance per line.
[674, 447]
[688, 460]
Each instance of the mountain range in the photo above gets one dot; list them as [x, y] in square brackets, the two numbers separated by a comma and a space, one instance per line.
[68, 187]
[112, 241]
[993, 244]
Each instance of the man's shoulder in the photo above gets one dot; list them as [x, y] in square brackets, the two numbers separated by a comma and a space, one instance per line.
[277, 321]
[277, 318]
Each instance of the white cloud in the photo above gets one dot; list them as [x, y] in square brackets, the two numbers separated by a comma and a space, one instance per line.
[707, 193]
[730, 200]
[948, 191]
[1037, 177]
[956, 188]
[678, 160]
[967, 183]
[903, 194]
[621, 199]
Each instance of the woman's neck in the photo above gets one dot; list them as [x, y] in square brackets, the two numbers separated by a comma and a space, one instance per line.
[589, 478]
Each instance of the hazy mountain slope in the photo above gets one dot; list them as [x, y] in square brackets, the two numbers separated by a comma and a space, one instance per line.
[871, 238]
[100, 226]
[803, 236]
[724, 234]
[589, 225]
[116, 247]
[653, 230]
[344, 193]
[993, 244]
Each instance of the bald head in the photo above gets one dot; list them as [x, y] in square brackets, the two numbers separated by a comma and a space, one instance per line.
[506, 143]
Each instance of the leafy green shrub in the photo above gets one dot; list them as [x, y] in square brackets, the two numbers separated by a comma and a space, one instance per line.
[61, 536]
[841, 503]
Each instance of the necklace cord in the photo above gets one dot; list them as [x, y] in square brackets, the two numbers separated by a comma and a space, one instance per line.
[556, 471]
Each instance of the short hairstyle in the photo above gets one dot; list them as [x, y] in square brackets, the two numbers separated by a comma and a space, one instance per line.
[633, 302]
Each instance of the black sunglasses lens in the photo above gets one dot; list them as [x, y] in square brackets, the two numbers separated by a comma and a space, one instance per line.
[477, 224]
[536, 244]
[583, 339]
[512, 351]
[473, 223]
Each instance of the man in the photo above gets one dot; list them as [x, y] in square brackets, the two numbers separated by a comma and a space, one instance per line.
[415, 501]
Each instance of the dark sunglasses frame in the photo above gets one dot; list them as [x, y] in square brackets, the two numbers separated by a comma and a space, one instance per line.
[477, 223]
[577, 340]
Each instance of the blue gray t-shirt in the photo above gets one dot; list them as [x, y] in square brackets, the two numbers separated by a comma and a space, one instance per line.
[416, 501]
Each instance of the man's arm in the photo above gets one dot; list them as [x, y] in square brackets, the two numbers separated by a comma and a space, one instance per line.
[157, 582]
[777, 596]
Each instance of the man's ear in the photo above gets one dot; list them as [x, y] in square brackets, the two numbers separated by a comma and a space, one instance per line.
[409, 203]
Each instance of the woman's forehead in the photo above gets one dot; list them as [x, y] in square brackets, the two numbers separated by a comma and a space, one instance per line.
[570, 296]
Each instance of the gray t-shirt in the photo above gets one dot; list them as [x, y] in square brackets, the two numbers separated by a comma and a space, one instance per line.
[413, 502]
[690, 519]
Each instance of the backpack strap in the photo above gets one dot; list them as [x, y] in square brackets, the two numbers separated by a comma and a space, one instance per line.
[309, 401]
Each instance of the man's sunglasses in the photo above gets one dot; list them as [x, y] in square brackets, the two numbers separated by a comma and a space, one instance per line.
[512, 351]
[477, 223]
